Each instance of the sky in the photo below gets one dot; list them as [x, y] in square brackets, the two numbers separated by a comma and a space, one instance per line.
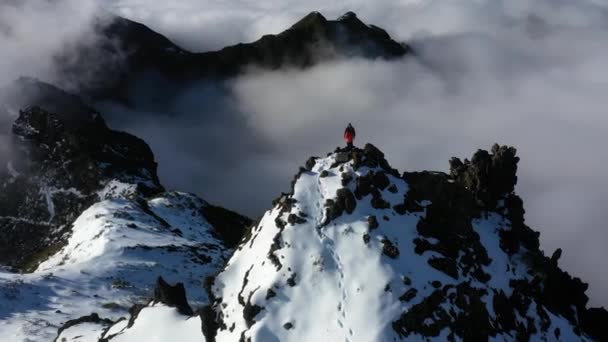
[524, 73]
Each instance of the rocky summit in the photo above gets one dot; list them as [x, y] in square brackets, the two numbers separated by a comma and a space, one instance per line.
[360, 252]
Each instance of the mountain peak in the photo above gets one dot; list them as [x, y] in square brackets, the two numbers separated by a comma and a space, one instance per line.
[348, 16]
[351, 20]
[417, 255]
[313, 19]
[369, 156]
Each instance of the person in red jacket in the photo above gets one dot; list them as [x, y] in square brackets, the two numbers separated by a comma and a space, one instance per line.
[349, 135]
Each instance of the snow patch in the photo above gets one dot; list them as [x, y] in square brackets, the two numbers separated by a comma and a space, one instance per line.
[117, 189]
[151, 326]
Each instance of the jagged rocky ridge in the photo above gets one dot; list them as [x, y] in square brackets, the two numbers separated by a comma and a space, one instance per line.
[65, 159]
[359, 252]
[82, 209]
[129, 50]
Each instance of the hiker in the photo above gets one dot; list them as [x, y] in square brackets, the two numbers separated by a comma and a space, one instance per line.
[349, 135]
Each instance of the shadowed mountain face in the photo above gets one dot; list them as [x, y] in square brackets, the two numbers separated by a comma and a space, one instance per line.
[127, 49]
[65, 159]
[85, 222]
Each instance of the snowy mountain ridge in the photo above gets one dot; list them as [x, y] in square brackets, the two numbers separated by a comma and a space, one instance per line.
[358, 252]
[117, 249]
[86, 225]
[357, 246]
[64, 159]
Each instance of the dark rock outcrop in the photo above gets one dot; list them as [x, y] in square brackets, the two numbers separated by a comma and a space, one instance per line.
[408, 295]
[63, 155]
[594, 321]
[92, 318]
[209, 324]
[489, 176]
[372, 222]
[174, 296]
[472, 190]
[228, 225]
[345, 202]
[389, 249]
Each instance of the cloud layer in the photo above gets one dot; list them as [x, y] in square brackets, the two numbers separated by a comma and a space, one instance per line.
[33, 33]
[528, 74]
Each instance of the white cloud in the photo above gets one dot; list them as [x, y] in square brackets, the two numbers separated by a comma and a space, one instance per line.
[33, 32]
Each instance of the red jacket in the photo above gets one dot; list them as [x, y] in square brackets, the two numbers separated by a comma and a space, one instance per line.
[349, 134]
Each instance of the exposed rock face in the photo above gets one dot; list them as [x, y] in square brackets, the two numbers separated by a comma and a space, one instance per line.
[229, 226]
[174, 296]
[489, 176]
[134, 48]
[63, 161]
[79, 151]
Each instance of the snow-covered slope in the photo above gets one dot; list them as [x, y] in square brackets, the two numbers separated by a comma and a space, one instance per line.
[117, 250]
[83, 212]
